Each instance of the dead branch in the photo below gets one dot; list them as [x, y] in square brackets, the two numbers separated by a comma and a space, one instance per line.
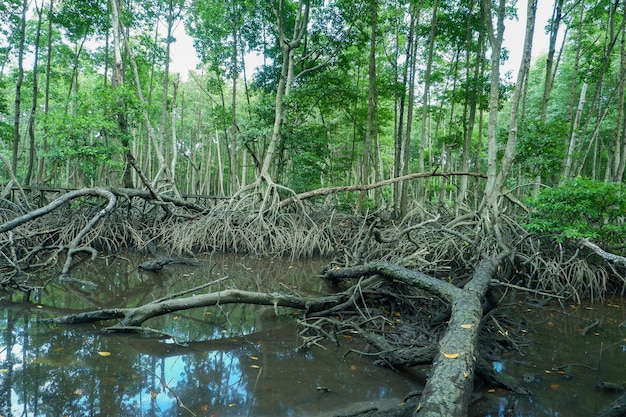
[611, 257]
[351, 188]
[133, 317]
[448, 390]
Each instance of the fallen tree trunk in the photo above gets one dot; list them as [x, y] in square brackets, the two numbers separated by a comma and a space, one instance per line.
[134, 317]
[448, 390]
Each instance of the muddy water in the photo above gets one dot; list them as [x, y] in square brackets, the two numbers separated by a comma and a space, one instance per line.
[243, 360]
[561, 366]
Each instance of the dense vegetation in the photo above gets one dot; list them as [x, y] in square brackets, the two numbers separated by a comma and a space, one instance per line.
[345, 94]
[83, 84]
[398, 111]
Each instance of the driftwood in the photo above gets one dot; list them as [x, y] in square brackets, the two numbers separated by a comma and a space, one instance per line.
[448, 390]
[134, 317]
[353, 188]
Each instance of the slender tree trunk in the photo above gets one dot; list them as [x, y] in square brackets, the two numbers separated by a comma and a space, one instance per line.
[46, 107]
[574, 136]
[469, 112]
[232, 148]
[619, 160]
[426, 98]
[18, 89]
[288, 48]
[555, 24]
[406, 145]
[495, 37]
[33, 109]
[372, 107]
[509, 151]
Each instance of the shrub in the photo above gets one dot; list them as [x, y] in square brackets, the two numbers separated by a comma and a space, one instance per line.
[581, 208]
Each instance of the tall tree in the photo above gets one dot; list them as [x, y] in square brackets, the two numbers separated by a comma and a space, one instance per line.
[372, 106]
[496, 36]
[18, 88]
[33, 109]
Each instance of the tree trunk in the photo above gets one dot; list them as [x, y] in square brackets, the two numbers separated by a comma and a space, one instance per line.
[18, 88]
[286, 75]
[426, 98]
[509, 152]
[574, 136]
[555, 23]
[372, 108]
[495, 37]
[404, 198]
[31, 119]
[469, 112]
[46, 107]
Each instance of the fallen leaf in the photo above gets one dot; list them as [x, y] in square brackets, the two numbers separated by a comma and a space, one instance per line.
[255, 366]
[77, 391]
[466, 326]
[491, 390]
[254, 358]
[451, 355]
[554, 386]
[104, 353]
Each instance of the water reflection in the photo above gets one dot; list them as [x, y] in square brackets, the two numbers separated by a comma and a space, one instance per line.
[236, 361]
[561, 366]
[241, 360]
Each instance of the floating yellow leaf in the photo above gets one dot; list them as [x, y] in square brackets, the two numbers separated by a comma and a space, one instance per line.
[4, 371]
[465, 374]
[175, 318]
[255, 366]
[451, 355]
[466, 326]
[554, 386]
[153, 395]
[104, 353]
[231, 405]
[77, 391]
[491, 390]
[39, 306]
[254, 358]
[547, 371]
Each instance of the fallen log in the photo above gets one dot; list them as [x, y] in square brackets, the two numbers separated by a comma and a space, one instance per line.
[448, 390]
[134, 317]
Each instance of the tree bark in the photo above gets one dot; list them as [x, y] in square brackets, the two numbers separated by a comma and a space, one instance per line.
[448, 390]
[134, 317]
[372, 108]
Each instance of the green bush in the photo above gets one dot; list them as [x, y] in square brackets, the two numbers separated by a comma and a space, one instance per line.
[581, 208]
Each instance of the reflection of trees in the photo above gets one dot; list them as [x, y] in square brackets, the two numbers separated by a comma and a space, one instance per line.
[7, 364]
[57, 371]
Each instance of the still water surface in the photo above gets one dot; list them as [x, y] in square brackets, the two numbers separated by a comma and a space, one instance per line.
[242, 360]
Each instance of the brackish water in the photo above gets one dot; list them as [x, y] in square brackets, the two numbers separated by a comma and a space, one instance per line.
[242, 360]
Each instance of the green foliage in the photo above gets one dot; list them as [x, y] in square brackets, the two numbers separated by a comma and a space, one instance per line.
[581, 208]
[541, 146]
[90, 135]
